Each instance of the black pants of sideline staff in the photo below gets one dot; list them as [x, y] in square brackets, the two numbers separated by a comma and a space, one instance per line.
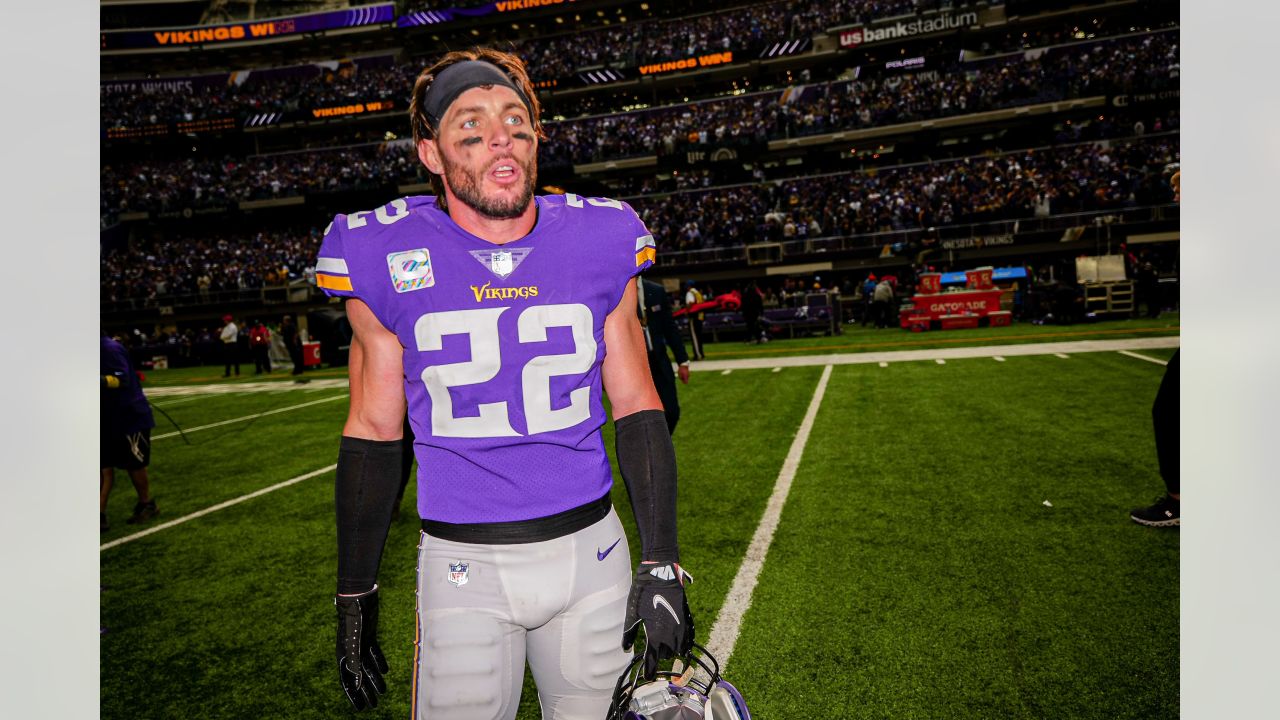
[295, 354]
[664, 381]
[1164, 419]
[231, 356]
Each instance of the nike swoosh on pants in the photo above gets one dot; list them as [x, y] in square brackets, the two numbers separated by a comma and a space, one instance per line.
[602, 555]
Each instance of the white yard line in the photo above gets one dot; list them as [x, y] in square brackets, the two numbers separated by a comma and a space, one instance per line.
[724, 633]
[215, 508]
[251, 417]
[1144, 357]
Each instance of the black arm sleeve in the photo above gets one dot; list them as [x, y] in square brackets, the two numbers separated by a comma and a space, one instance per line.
[647, 461]
[364, 496]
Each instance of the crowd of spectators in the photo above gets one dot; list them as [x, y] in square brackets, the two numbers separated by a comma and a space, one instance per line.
[741, 29]
[623, 45]
[1072, 32]
[207, 266]
[194, 183]
[261, 92]
[1024, 184]
[1147, 62]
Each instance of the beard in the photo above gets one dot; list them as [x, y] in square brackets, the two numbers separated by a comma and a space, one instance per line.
[465, 185]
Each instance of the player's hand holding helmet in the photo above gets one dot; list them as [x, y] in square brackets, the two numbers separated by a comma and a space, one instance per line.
[361, 663]
[658, 603]
[691, 690]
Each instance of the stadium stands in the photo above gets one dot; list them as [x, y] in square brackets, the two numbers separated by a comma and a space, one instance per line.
[1065, 179]
[1148, 61]
[297, 141]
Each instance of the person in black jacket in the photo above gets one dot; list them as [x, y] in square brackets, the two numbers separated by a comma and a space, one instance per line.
[661, 333]
[1165, 416]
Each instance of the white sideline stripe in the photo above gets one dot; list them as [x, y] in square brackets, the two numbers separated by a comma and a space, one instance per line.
[724, 633]
[960, 353]
[997, 358]
[1064, 357]
[1144, 357]
[251, 417]
[215, 508]
[179, 402]
[235, 388]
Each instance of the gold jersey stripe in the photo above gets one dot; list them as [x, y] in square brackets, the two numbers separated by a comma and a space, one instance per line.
[333, 282]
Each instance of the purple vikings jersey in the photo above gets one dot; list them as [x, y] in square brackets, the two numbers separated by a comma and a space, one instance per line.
[503, 345]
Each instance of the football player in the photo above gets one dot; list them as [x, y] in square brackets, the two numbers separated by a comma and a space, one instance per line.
[498, 316]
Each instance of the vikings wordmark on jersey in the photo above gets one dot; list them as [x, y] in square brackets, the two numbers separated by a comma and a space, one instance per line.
[502, 343]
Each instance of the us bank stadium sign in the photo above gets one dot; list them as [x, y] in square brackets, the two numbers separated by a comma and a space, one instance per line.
[205, 35]
[897, 29]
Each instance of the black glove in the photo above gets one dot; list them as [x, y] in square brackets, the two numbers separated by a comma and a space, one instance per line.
[361, 663]
[657, 600]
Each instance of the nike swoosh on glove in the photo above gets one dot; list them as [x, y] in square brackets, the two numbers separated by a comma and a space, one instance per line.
[361, 663]
[658, 603]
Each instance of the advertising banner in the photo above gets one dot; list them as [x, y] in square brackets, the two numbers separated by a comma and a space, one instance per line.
[900, 29]
[977, 241]
[200, 35]
[977, 302]
[444, 15]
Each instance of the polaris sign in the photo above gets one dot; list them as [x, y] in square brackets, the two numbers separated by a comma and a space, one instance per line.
[899, 29]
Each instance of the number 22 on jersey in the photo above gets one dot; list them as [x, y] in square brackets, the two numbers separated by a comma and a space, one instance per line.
[481, 328]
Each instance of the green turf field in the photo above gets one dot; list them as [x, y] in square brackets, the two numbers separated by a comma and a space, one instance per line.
[955, 543]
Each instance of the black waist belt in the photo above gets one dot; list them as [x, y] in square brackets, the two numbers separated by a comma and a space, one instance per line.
[516, 532]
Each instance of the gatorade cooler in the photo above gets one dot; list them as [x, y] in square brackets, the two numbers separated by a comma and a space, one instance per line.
[930, 284]
[978, 278]
[311, 354]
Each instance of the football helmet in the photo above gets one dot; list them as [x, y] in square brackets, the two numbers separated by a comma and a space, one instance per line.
[691, 690]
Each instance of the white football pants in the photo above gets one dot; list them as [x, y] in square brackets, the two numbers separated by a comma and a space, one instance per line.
[484, 609]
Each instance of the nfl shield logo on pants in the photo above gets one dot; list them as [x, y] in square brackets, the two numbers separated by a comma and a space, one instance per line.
[458, 573]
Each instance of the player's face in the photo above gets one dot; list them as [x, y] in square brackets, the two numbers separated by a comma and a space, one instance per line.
[488, 151]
